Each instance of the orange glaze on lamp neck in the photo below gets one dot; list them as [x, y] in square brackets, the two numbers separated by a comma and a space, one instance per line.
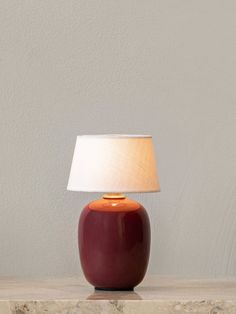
[115, 203]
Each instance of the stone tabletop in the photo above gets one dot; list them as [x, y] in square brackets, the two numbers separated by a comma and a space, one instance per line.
[154, 295]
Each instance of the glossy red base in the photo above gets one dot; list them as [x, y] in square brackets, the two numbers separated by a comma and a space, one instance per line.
[114, 243]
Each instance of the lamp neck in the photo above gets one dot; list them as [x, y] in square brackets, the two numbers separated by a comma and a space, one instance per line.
[114, 196]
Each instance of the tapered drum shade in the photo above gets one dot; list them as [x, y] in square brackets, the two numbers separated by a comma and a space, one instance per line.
[114, 163]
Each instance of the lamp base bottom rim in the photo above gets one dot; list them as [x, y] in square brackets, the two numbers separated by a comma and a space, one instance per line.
[114, 289]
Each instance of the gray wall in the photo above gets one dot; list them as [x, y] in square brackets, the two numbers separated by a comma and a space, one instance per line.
[81, 67]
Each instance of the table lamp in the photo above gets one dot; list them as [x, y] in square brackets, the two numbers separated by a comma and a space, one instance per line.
[114, 232]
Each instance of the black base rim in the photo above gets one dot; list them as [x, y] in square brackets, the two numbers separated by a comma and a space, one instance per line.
[114, 289]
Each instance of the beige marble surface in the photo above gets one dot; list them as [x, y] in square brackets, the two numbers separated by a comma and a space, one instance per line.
[154, 295]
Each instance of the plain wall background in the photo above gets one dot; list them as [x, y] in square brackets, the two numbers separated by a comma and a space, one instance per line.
[166, 68]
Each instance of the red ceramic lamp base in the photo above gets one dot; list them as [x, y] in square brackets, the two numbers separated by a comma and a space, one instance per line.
[114, 242]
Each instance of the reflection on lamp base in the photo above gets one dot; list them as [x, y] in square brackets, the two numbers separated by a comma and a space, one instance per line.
[114, 243]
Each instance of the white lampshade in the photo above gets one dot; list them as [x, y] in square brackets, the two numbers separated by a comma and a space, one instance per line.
[114, 163]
